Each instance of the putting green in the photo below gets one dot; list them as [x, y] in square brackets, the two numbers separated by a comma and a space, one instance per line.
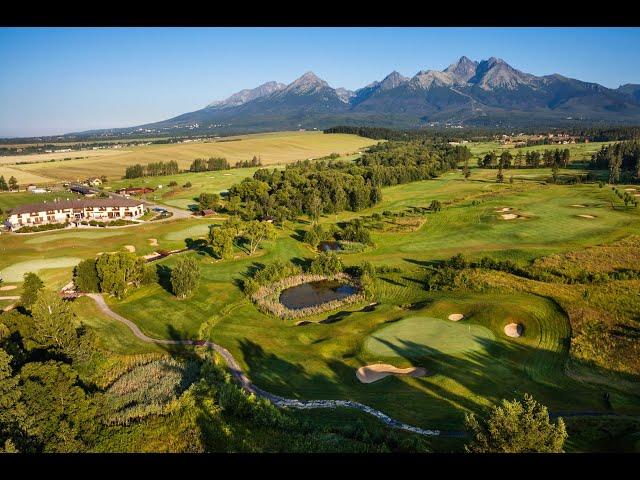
[195, 231]
[15, 272]
[415, 337]
[82, 234]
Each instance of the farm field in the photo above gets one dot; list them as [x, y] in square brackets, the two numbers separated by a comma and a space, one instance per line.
[273, 149]
[24, 177]
[60, 156]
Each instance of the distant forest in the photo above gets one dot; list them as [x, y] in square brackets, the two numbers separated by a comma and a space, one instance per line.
[606, 134]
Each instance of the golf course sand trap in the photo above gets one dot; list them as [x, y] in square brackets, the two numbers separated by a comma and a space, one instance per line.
[302, 323]
[586, 216]
[455, 317]
[505, 209]
[15, 272]
[6, 288]
[378, 371]
[636, 194]
[509, 216]
[629, 189]
[153, 242]
[579, 206]
[130, 248]
[513, 330]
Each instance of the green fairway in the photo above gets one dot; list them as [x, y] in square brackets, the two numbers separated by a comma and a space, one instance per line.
[79, 234]
[15, 272]
[418, 337]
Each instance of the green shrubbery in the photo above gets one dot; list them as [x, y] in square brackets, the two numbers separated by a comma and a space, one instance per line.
[42, 228]
[326, 263]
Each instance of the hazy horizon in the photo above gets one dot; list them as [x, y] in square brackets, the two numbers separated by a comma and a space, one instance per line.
[61, 80]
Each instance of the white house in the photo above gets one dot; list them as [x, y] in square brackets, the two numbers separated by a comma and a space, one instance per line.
[73, 211]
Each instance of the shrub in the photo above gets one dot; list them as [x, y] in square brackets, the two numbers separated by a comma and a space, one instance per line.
[516, 427]
[326, 263]
[42, 228]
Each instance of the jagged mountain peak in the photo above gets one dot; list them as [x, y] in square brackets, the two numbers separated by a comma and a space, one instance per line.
[496, 73]
[248, 94]
[463, 69]
[393, 80]
[430, 78]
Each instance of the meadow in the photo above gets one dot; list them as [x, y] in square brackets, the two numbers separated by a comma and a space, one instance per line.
[272, 149]
[579, 151]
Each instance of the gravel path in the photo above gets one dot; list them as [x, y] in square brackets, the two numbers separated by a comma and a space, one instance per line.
[244, 381]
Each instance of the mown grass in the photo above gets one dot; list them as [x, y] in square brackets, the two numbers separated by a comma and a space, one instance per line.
[318, 360]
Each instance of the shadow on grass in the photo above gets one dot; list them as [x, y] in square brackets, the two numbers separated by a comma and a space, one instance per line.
[164, 277]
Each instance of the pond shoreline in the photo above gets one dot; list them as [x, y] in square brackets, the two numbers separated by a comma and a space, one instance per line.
[267, 298]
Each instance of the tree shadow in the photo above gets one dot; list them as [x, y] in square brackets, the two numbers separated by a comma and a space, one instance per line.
[200, 246]
[164, 277]
[298, 234]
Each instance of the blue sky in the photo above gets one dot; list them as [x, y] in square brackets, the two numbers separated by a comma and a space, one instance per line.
[58, 80]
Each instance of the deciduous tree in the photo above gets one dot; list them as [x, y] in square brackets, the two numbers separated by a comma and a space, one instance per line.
[516, 427]
[185, 276]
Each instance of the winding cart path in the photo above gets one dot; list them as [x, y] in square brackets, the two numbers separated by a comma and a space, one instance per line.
[244, 381]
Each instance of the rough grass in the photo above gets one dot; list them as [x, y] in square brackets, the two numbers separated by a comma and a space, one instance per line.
[148, 389]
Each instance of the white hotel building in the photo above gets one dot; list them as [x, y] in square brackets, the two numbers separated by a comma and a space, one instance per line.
[74, 211]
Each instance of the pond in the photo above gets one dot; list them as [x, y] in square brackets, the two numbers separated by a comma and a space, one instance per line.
[315, 293]
[329, 246]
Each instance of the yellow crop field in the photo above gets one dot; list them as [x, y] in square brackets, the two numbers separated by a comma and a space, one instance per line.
[45, 157]
[23, 177]
[272, 148]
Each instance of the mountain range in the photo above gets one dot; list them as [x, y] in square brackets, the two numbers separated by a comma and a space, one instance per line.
[483, 93]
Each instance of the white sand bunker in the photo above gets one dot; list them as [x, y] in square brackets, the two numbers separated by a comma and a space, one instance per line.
[579, 205]
[505, 209]
[454, 317]
[629, 189]
[130, 248]
[586, 216]
[509, 216]
[513, 330]
[636, 194]
[373, 373]
[153, 242]
[6, 288]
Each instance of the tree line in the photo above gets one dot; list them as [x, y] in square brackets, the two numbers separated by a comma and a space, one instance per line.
[328, 186]
[211, 164]
[622, 159]
[531, 159]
